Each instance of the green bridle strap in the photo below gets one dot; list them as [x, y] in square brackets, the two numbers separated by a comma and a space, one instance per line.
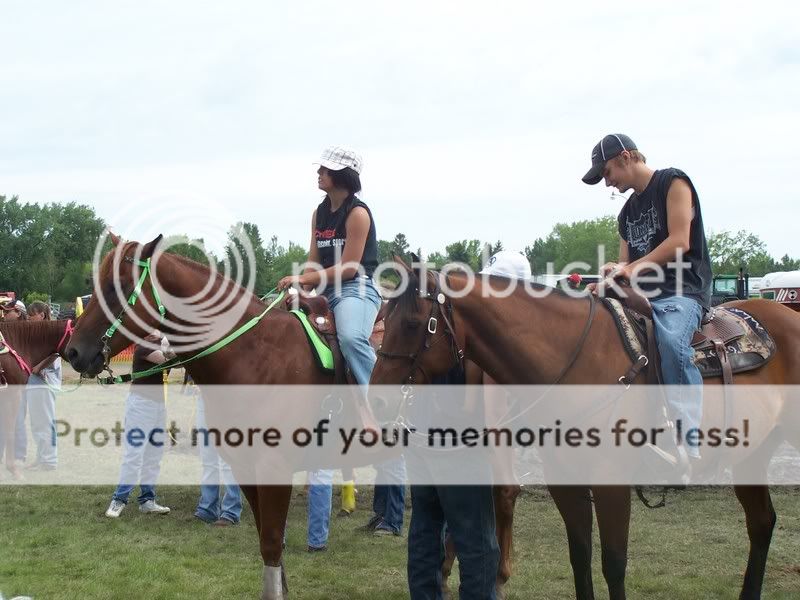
[210, 350]
[137, 291]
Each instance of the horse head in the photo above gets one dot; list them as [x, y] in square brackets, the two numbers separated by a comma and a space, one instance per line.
[117, 315]
[420, 340]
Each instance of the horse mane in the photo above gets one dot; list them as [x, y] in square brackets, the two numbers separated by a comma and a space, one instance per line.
[255, 301]
[25, 335]
[408, 300]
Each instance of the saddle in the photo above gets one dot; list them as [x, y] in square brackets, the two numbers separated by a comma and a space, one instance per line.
[322, 319]
[729, 340]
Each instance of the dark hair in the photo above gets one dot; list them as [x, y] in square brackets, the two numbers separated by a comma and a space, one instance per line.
[36, 308]
[347, 179]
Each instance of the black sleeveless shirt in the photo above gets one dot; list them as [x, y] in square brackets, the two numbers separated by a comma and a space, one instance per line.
[330, 233]
[643, 225]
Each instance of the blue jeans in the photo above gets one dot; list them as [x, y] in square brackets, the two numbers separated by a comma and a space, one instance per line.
[215, 471]
[468, 512]
[390, 492]
[675, 319]
[320, 496]
[42, 409]
[141, 460]
[355, 309]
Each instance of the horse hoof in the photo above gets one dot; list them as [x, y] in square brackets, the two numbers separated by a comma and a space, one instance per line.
[272, 588]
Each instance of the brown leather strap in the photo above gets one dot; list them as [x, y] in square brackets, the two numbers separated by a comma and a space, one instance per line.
[654, 372]
[722, 355]
[634, 371]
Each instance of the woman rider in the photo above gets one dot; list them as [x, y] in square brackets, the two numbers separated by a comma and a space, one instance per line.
[343, 255]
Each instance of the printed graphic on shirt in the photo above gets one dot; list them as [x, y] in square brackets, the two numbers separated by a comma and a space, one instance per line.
[642, 230]
[326, 238]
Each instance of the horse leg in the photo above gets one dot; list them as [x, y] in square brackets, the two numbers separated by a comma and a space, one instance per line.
[760, 517]
[612, 504]
[272, 507]
[505, 497]
[251, 495]
[575, 505]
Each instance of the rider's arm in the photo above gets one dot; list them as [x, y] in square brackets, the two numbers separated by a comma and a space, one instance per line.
[679, 222]
[624, 257]
[313, 251]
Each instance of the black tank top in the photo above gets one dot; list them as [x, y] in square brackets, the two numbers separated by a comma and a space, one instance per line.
[643, 224]
[330, 233]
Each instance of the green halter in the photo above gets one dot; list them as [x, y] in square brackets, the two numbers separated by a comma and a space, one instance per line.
[146, 269]
[137, 291]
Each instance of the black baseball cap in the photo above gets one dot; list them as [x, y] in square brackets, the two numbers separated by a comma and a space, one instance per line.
[610, 146]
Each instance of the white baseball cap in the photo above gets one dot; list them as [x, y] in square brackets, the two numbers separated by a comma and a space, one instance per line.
[507, 263]
[337, 158]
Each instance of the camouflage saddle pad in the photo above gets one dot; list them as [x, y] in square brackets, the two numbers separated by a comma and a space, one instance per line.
[747, 343]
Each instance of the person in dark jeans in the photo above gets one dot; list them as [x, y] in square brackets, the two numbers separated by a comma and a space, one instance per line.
[465, 511]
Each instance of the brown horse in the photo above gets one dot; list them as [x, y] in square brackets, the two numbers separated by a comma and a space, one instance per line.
[275, 352]
[519, 339]
[34, 342]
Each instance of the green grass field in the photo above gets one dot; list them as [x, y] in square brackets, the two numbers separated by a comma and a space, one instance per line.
[56, 543]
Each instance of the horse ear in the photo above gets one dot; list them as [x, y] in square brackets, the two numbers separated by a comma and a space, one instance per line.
[115, 239]
[414, 258]
[401, 264]
[150, 247]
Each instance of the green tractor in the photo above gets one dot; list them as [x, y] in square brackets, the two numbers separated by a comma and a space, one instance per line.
[726, 288]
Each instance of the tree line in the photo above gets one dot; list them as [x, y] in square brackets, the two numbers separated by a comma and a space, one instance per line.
[46, 250]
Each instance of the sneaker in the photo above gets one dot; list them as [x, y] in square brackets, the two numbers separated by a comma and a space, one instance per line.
[371, 524]
[114, 509]
[317, 548]
[223, 522]
[151, 506]
[382, 529]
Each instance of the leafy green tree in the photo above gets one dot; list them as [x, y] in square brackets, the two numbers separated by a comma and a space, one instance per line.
[281, 260]
[194, 249]
[787, 264]
[574, 242]
[247, 231]
[730, 251]
[467, 252]
[43, 243]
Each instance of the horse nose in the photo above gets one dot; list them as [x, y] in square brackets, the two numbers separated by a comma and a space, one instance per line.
[71, 355]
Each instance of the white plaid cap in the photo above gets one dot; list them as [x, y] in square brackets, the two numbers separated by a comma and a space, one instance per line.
[337, 158]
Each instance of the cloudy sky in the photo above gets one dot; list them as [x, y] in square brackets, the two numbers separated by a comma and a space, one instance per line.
[475, 120]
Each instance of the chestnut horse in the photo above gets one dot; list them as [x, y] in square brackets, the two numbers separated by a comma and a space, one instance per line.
[275, 352]
[522, 340]
[34, 342]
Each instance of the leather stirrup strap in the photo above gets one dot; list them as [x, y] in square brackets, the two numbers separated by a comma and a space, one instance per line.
[652, 350]
[724, 362]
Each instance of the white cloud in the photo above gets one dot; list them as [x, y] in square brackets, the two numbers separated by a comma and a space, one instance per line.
[475, 120]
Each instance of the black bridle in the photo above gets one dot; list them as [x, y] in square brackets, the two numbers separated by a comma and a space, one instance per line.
[440, 308]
